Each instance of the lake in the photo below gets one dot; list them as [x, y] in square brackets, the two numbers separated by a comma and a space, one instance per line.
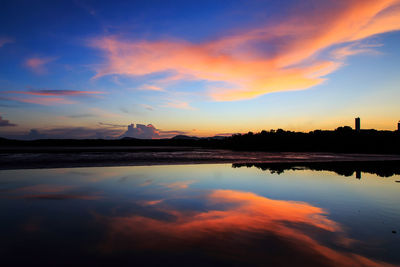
[197, 215]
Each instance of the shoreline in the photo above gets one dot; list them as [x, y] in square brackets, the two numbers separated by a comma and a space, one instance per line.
[139, 156]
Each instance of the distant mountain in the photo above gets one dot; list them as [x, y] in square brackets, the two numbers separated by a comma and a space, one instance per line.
[185, 137]
[128, 138]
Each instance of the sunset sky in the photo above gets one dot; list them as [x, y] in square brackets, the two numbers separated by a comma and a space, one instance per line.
[88, 69]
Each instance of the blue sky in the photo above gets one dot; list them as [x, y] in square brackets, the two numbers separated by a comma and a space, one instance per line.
[84, 69]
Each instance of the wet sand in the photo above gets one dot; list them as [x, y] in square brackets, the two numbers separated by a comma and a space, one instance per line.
[65, 157]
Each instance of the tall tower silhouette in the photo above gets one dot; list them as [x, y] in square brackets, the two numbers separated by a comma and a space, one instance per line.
[358, 124]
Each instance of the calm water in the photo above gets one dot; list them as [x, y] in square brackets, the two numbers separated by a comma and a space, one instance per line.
[197, 215]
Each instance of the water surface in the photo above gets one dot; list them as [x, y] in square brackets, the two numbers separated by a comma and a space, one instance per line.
[210, 214]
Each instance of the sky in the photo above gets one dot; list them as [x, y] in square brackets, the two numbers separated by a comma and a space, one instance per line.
[156, 69]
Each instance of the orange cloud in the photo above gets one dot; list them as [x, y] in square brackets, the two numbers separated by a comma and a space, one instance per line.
[281, 56]
[245, 221]
[37, 64]
[152, 202]
[178, 185]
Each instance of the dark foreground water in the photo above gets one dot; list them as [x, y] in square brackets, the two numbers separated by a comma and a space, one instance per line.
[197, 215]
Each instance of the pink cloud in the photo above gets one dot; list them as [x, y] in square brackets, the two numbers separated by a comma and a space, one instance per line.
[37, 64]
[280, 56]
[46, 101]
[48, 97]
[151, 88]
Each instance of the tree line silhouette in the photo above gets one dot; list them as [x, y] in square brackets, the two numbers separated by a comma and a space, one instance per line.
[343, 168]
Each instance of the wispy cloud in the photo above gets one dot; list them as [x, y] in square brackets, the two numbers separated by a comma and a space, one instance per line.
[168, 134]
[178, 105]
[112, 125]
[151, 88]
[103, 113]
[81, 115]
[45, 101]
[85, 6]
[94, 112]
[49, 92]
[48, 96]
[5, 40]
[151, 202]
[354, 49]
[279, 56]
[38, 64]
[148, 107]
[70, 132]
[178, 185]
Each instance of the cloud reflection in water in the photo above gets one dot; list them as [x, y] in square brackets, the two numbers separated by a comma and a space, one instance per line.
[240, 226]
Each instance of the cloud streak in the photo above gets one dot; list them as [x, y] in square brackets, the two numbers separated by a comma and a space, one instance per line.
[70, 132]
[178, 105]
[280, 56]
[48, 97]
[49, 92]
[149, 87]
[6, 123]
[45, 101]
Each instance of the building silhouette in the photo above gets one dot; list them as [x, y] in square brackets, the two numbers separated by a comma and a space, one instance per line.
[358, 124]
[398, 126]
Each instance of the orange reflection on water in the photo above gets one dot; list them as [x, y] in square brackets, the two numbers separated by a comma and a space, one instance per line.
[249, 228]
